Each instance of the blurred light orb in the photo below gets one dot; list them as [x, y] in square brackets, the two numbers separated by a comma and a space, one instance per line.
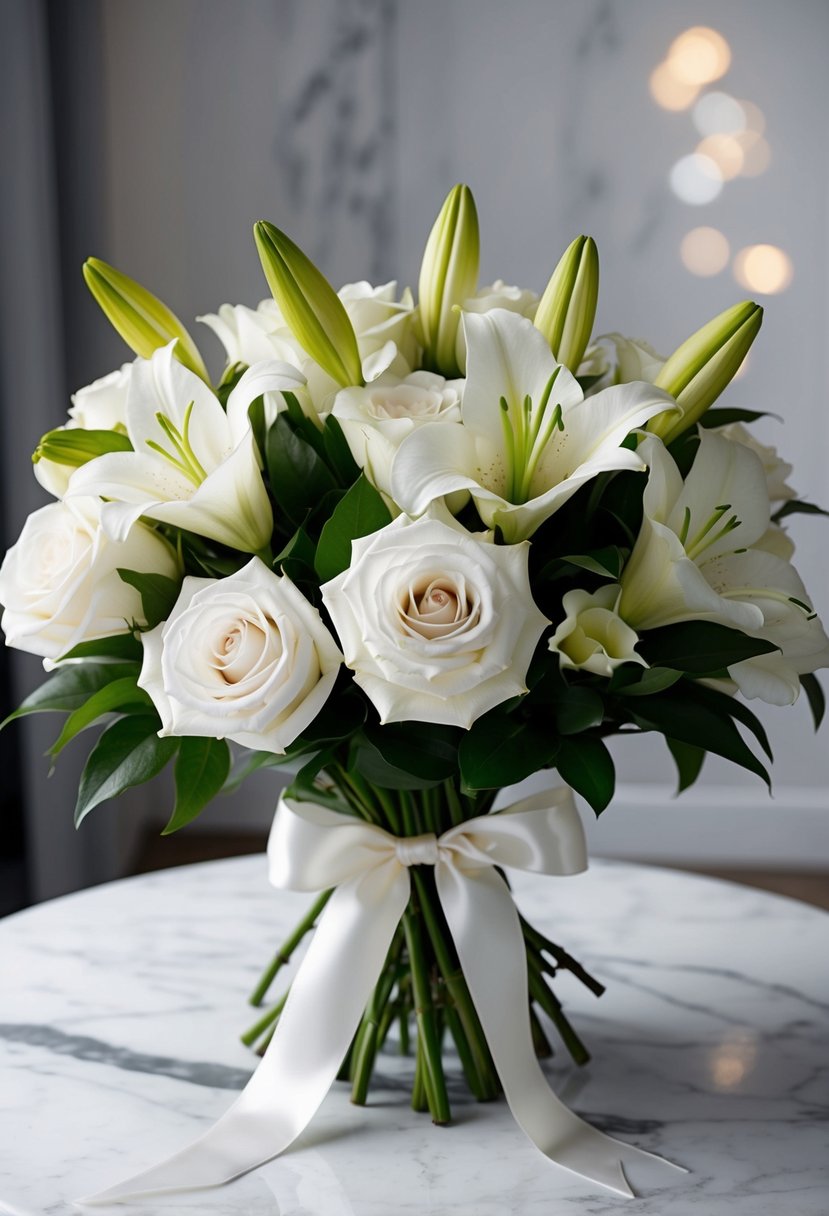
[699, 55]
[704, 251]
[755, 119]
[719, 114]
[726, 152]
[756, 153]
[696, 179]
[763, 268]
[670, 93]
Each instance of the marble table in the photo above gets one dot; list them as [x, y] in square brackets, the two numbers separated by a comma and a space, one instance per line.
[120, 1009]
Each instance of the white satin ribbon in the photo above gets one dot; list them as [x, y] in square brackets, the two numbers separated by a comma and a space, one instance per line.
[312, 848]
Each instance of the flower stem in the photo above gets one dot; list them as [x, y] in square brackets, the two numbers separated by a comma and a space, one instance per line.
[283, 954]
[458, 992]
[265, 1022]
[544, 997]
[429, 1039]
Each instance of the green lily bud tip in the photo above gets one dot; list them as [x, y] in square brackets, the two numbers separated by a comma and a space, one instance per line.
[312, 309]
[698, 370]
[567, 309]
[142, 320]
[448, 277]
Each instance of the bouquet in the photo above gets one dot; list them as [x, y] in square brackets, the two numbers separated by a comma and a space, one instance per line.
[413, 553]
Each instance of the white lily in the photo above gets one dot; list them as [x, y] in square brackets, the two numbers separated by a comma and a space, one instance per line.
[721, 507]
[191, 465]
[699, 556]
[528, 439]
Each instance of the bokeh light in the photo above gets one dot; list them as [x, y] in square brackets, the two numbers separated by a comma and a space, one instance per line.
[766, 269]
[704, 251]
[726, 152]
[719, 114]
[670, 93]
[699, 55]
[756, 153]
[696, 179]
[755, 119]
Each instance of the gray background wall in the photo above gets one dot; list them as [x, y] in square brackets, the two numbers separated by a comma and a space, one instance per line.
[345, 122]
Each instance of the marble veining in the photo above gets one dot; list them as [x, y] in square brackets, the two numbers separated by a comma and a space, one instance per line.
[120, 1010]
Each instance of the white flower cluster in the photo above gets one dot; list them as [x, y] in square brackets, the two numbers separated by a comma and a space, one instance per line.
[436, 623]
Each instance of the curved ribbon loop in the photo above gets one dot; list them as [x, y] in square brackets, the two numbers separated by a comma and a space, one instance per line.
[312, 848]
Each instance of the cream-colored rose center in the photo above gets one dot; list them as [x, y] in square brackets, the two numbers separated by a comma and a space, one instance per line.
[436, 607]
[405, 401]
[242, 647]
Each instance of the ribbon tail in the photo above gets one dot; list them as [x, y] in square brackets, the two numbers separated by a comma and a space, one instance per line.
[327, 999]
[479, 909]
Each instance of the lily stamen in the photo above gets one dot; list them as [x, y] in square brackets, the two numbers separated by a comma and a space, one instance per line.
[182, 457]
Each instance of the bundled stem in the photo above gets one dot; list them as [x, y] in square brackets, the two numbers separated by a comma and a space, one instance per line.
[422, 982]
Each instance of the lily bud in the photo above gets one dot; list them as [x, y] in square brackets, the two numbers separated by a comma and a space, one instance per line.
[448, 276]
[698, 371]
[314, 312]
[140, 318]
[567, 310]
[75, 446]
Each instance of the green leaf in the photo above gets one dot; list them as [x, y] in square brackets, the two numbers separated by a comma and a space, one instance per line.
[338, 453]
[298, 477]
[724, 417]
[607, 562]
[116, 646]
[370, 763]
[202, 766]
[158, 594]
[577, 710]
[70, 687]
[120, 696]
[251, 763]
[814, 695]
[128, 753]
[585, 764]
[500, 750]
[797, 506]
[688, 759]
[300, 548]
[701, 725]
[359, 513]
[699, 647]
[722, 702]
[421, 749]
[304, 788]
[631, 680]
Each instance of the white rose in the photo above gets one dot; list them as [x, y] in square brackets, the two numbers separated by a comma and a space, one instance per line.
[593, 637]
[635, 359]
[60, 584]
[244, 658]
[375, 420]
[102, 405]
[437, 625]
[497, 295]
[251, 335]
[378, 318]
[382, 325]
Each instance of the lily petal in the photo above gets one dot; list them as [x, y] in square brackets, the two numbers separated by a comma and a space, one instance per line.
[163, 385]
[507, 357]
[269, 379]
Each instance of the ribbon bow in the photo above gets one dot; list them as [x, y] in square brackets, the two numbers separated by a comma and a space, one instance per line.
[312, 848]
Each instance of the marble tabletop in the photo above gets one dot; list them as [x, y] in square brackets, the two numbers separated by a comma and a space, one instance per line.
[120, 1009]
